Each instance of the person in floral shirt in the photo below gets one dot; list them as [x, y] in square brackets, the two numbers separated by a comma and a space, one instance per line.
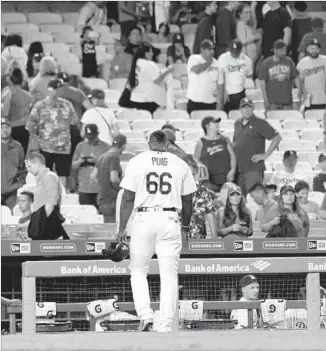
[49, 128]
[203, 207]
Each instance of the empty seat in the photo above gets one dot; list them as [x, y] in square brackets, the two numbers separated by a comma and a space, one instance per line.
[321, 146]
[79, 213]
[297, 145]
[275, 124]
[95, 83]
[137, 146]
[169, 115]
[187, 146]
[30, 37]
[134, 135]
[148, 125]
[22, 28]
[162, 46]
[310, 176]
[315, 114]
[301, 166]
[68, 59]
[70, 17]
[234, 114]
[259, 105]
[5, 213]
[7, 6]
[187, 125]
[301, 124]
[101, 29]
[174, 28]
[181, 105]
[193, 135]
[123, 126]
[228, 134]
[13, 17]
[118, 83]
[133, 114]
[317, 197]
[269, 166]
[308, 156]
[249, 83]
[57, 28]
[267, 177]
[276, 156]
[226, 125]
[67, 38]
[289, 135]
[284, 115]
[69, 199]
[127, 156]
[57, 49]
[71, 67]
[312, 134]
[254, 94]
[204, 113]
[44, 17]
[109, 38]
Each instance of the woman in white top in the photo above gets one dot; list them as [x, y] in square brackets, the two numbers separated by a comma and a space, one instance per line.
[145, 80]
[14, 50]
[247, 34]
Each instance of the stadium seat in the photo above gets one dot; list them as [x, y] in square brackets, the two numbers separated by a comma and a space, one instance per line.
[30, 6]
[228, 134]
[254, 94]
[267, 177]
[57, 28]
[127, 156]
[44, 17]
[57, 49]
[308, 156]
[269, 166]
[123, 126]
[275, 124]
[67, 38]
[69, 59]
[137, 146]
[284, 115]
[298, 145]
[181, 105]
[187, 146]
[170, 115]
[315, 114]
[174, 28]
[317, 197]
[234, 114]
[13, 17]
[259, 105]
[95, 83]
[301, 166]
[101, 29]
[118, 83]
[10, 220]
[8, 7]
[276, 156]
[79, 213]
[227, 125]
[162, 46]
[67, 6]
[310, 176]
[135, 135]
[71, 67]
[112, 95]
[101, 55]
[109, 38]
[289, 135]
[5, 213]
[321, 146]
[133, 114]
[30, 37]
[300, 124]
[312, 134]
[188, 29]
[204, 113]
[22, 28]
[187, 125]
[148, 125]
[193, 135]
[115, 28]
[70, 18]
[249, 83]
[69, 199]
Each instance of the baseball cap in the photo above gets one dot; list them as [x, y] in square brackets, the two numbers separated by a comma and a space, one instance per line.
[286, 188]
[289, 153]
[313, 41]
[271, 186]
[234, 189]
[119, 140]
[97, 94]
[247, 279]
[207, 120]
[63, 76]
[55, 83]
[207, 44]
[236, 46]
[178, 38]
[5, 121]
[170, 126]
[91, 129]
[322, 158]
[246, 102]
[279, 44]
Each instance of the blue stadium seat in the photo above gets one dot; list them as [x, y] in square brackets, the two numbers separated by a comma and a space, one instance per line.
[57, 28]
[315, 114]
[44, 17]
[147, 125]
[298, 145]
[70, 18]
[13, 17]
[204, 113]
[284, 115]
[133, 114]
[170, 115]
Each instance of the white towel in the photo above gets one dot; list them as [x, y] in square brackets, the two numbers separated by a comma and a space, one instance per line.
[100, 308]
[273, 312]
[191, 310]
[46, 309]
[114, 316]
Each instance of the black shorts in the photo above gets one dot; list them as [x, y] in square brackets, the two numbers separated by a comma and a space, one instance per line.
[62, 163]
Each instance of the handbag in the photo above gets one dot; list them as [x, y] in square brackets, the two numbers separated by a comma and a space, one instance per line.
[125, 97]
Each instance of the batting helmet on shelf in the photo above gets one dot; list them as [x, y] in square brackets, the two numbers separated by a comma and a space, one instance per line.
[116, 252]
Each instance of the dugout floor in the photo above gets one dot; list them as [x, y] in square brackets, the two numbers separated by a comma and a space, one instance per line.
[245, 340]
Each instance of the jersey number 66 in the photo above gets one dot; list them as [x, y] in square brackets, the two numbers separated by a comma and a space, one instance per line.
[155, 182]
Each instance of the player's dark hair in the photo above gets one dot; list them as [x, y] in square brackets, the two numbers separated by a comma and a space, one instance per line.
[230, 216]
[29, 195]
[140, 53]
[17, 77]
[158, 137]
[35, 156]
[258, 186]
[300, 185]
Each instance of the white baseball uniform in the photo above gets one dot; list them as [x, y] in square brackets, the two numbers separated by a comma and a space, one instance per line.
[159, 179]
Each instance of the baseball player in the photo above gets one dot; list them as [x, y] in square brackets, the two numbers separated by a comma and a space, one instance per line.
[158, 185]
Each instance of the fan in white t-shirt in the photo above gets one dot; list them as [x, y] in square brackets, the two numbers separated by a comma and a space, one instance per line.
[203, 77]
[289, 176]
[102, 116]
[14, 50]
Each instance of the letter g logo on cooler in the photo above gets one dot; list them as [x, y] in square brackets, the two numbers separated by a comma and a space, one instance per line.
[98, 308]
[194, 305]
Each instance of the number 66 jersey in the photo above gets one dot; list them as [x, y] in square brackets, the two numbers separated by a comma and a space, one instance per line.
[159, 179]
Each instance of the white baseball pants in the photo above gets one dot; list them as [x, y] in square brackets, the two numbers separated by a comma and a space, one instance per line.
[160, 233]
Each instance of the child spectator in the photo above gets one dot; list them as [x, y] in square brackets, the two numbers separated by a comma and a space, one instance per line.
[35, 54]
[163, 35]
[311, 208]
[320, 179]
[178, 52]
[88, 45]
[25, 203]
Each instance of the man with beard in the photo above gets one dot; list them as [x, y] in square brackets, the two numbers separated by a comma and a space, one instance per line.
[312, 70]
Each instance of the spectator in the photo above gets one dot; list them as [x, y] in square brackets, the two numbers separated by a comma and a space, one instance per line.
[12, 65]
[35, 54]
[203, 208]
[102, 116]
[12, 166]
[109, 177]
[127, 16]
[319, 183]
[92, 13]
[169, 131]
[85, 159]
[234, 68]
[16, 104]
[247, 33]
[163, 35]
[216, 152]
[271, 191]
[276, 25]
[146, 80]
[302, 192]
[317, 25]
[39, 84]
[49, 129]
[277, 75]
[322, 213]
[250, 292]
[121, 62]
[301, 25]
[205, 25]
[178, 52]
[180, 13]
[312, 75]
[225, 26]
[78, 83]
[135, 39]
[14, 50]
[249, 138]
[234, 220]
[88, 46]
[288, 176]
[203, 78]
[266, 205]
[25, 203]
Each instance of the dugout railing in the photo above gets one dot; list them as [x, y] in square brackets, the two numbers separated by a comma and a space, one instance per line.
[312, 267]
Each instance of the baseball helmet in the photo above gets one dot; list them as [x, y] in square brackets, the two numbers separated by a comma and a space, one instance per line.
[116, 252]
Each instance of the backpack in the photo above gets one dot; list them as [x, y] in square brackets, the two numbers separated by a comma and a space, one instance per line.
[285, 229]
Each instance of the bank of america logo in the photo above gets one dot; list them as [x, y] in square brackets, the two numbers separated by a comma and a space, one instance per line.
[261, 265]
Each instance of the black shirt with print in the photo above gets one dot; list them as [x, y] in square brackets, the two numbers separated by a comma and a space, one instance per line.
[89, 59]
